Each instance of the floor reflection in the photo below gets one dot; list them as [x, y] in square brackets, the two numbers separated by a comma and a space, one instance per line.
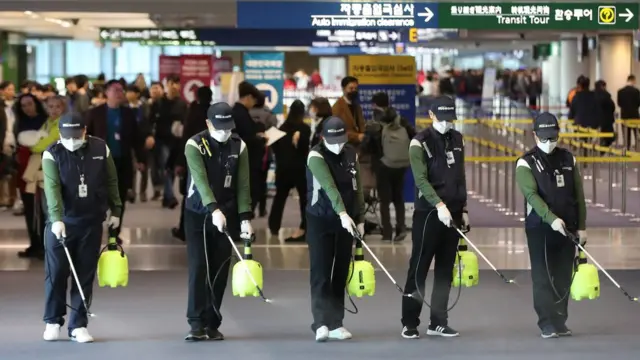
[152, 249]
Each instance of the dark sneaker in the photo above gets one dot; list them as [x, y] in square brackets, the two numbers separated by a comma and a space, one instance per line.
[410, 333]
[549, 332]
[444, 331]
[196, 335]
[214, 334]
[563, 331]
[400, 235]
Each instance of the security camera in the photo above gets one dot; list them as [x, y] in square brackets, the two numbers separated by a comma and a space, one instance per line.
[521, 36]
[75, 21]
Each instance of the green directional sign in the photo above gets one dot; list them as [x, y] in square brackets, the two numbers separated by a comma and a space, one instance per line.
[539, 16]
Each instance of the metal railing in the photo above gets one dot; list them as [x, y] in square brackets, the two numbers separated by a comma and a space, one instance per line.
[494, 146]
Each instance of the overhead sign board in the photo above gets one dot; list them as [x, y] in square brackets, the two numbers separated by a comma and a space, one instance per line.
[443, 15]
[539, 16]
[274, 37]
[336, 15]
[148, 35]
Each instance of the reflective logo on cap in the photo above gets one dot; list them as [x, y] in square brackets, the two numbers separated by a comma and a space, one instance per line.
[445, 108]
[222, 116]
[70, 125]
[546, 125]
[331, 131]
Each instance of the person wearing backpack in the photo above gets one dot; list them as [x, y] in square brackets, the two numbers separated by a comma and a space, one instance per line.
[389, 137]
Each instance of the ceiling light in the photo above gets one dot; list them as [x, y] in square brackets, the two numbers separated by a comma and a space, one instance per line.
[28, 13]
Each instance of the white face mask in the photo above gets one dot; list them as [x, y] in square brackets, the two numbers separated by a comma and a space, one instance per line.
[312, 114]
[72, 144]
[334, 148]
[442, 126]
[548, 146]
[220, 135]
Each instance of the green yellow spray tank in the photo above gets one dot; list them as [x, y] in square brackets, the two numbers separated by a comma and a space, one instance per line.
[113, 264]
[241, 282]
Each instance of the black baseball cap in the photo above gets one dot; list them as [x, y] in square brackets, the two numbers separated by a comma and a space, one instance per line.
[334, 131]
[444, 108]
[546, 126]
[221, 116]
[71, 125]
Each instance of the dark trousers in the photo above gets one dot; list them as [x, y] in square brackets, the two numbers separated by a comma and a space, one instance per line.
[124, 181]
[198, 230]
[390, 184]
[35, 220]
[84, 244]
[439, 242]
[330, 249]
[284, 184]
[560, 252]
[257, 186]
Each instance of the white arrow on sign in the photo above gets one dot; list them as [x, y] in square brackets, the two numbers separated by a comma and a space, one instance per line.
[428, 14]
[104, 34]
[627, 14]
[393, 36]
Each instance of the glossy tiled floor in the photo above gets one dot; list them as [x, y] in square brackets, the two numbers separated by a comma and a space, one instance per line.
[150, 245]
[146, 320]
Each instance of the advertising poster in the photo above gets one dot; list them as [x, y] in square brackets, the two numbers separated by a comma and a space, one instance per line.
[168, 65]
[195, 72]
[396, 76]
[221, 65]
[265, 71]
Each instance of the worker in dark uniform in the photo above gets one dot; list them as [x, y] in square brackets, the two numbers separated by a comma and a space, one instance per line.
[551, 184]
[218, 198]
[437, 163]
[334, 201]
[80, 184]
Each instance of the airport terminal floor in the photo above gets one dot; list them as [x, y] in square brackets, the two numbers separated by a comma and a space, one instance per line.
[146, 320]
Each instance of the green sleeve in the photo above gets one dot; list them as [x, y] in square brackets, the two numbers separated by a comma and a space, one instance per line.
[43, 144]
[322, 178]
[582, 206]
[529, 188]
[244, 189]
[199, 174]
[421, 174]
[359, 196]
[52, 187]
[115, 203]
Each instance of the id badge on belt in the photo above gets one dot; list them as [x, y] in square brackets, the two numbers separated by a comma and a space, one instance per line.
[559, 180]
[450, 159]
[227, 181]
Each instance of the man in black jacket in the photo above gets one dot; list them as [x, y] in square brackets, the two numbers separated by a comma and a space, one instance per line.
[194, 123]
[167, 116]
[629, 102]
[116, 124]
[584, 106]
[387, 139]
[250, 133]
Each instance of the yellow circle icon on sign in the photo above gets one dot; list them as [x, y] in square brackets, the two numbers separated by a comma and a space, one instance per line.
[607, 14]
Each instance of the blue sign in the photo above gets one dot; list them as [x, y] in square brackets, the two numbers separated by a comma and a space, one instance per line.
[266, 72]
[336, 15]
[401, 97]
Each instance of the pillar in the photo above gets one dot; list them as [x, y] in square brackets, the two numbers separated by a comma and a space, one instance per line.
[551, 80]
[615, 60]
[571, 67]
